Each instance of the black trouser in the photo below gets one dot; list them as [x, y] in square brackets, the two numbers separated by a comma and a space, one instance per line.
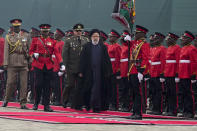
[115, 91]
[137, 94]
[194, 87]
[57, 84]
[171, 94]
[188, 100]
[156, 88]
[43, 86]
[124, 95]
[32, 85]
[68, 91]
[2, 85]
[145, 84]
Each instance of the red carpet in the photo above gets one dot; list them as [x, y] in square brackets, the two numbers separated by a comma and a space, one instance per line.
[70, 116]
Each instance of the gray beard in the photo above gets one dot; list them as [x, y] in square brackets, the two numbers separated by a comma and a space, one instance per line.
[95, 42]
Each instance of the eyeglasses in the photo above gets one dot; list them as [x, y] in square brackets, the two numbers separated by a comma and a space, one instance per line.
[78, 30]
[95, 36]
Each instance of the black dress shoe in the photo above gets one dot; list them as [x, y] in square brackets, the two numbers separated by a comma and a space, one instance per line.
[64, 104]
[24, 107]
[155, 113]
[35, 107]
[78, 108]
[136, 117]
[48, 109]
[5, 103]
[96, 110]
[57, 103]
[169, 114]
[87, 108]
[189, 115]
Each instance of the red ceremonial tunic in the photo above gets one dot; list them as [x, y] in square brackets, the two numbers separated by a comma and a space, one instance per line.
[44, 56]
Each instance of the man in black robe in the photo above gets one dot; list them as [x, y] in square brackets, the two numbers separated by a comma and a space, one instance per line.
[95, 70]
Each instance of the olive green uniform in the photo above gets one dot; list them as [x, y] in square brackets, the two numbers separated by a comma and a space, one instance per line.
[71, 56]
[16, 61]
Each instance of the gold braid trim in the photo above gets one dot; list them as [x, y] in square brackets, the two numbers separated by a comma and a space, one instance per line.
[12, 45]
[138, 50]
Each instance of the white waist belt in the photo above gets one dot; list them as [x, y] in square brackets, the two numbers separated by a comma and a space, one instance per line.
[124, 60]
[156, 63]
[170, 61]
[112, 59]
[184, 61]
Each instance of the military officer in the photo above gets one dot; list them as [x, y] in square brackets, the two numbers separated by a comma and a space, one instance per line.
[71, 56]
[16, 61]
[42, 48]
[137, 68]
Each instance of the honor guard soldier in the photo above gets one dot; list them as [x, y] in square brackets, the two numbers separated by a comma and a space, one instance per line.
[42, 48]
[69, 33]
[195, 84]
[157, 63]
[2, 75]
[114, 51]
[71, 56]
[16, 61]
[139, 52]
[187, 72]
[104, 37]
[171, 73]
[57, 81]
[124, 91]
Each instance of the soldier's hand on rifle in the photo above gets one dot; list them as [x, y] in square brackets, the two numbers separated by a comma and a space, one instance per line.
[62, 67]
[177, 80]
[162, 80]
[127, 38]
[140, 76]
[60, 73]
[36, 55]
[80, 75]
[193, 81]
[1, 71]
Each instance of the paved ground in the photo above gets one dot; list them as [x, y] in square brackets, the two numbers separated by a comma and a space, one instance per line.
[18, 125]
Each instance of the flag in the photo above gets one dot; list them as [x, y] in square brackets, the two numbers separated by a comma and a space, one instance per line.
[124, 12]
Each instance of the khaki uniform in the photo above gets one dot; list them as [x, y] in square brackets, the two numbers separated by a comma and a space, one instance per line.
[71, 56]
[16, 60]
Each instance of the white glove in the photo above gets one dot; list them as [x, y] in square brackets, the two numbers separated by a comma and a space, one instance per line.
[60, 73]
[127, 38]
[36, 55]
[193, 81]
[1, 71]
[162, 80]
[118, 77]
[177, 80]
[62, 68]
[146, 79]
[140, 77]
[53, 56]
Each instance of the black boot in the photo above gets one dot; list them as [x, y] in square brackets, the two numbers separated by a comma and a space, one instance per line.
[48, 109]
[5, 103]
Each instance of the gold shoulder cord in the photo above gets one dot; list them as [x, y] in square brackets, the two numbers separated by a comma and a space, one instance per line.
[138, 50]
[14, 46]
